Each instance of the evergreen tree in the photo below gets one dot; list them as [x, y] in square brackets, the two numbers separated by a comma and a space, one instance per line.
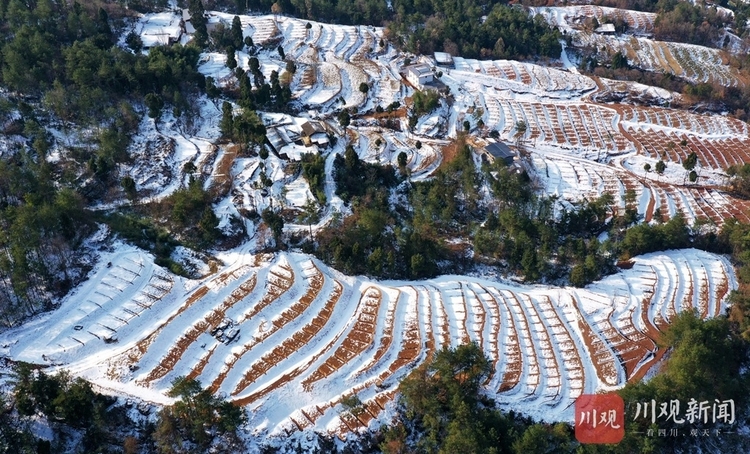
[619, 60]
[691, 161]
[274, 222]
[660, 167]
[198, 19]
[402, 157]
[344, 118]
[208, 225]
[197, 417]
[134, 42]
[154, 103]
[226, 125]
[236, 33]
[231, 60]
[444, 410]
[128, 185]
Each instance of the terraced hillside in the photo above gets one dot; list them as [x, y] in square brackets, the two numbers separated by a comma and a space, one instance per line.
[637, 21]
[697, 64]
[672, 134]
[560, 117]
[556, 104]
[574, 179]
[289, 338]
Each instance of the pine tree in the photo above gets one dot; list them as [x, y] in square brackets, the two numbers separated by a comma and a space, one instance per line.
[208, 225]
[660, 167]
[226, 126]
[691, 161]
[198, 19]
[154, 103]
[402, 159]
[236, 33]
[344, 118]
[231, 60]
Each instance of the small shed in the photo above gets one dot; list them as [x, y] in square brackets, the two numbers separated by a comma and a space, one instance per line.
[500, 151]
[605, 29]
[444, 59]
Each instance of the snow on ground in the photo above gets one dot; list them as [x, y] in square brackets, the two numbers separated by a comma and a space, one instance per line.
[570, 18]
[162, 147]
[279, 333]
[332, 61]
[298, 193]
[697, 64]
[288, 337]
[214, 64]
[654, 95]
[572, 180]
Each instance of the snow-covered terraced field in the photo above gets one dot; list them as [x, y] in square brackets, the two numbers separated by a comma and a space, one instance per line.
[565, 16]
[596, 131]
[522, 77]
[584, 129]
[696, 64]
[672, 134]
[420, 162]
[556, 117]
[332, 58]
[288, 337]
[328, 86]
[554, 104]
[576, 179]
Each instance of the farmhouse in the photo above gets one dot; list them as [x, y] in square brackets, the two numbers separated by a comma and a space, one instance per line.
[500, 151]
[314, 133]
[419, 75]
[163, 29]
[444, 59]
[277, 138]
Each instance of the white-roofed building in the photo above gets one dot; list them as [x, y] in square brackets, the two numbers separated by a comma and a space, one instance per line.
[606, 29]
[418, 75]
[443, 59]
[161, 29]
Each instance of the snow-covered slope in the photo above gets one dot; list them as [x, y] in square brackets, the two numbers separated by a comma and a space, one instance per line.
[574, 179]
[564, 123]
[694, 63]
[289, 337]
